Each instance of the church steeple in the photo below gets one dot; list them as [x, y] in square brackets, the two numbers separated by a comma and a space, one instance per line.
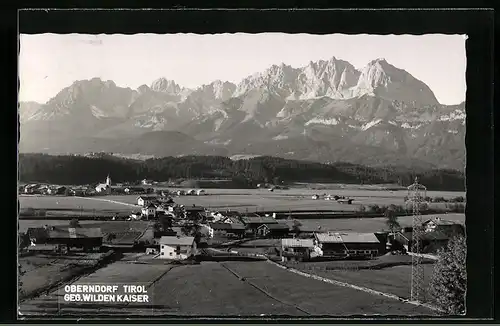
[108, 180]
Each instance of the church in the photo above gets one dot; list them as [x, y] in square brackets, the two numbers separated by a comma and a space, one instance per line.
[104, 188]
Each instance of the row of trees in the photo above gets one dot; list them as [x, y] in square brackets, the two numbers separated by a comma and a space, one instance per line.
[72, 169]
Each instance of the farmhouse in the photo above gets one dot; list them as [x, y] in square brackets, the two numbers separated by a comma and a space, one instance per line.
[177, 247]
[193, 212]
[200, 192]
[276, 230]
[430, 241]
[343, 244]
[253, 222]
[191, 192]
[445, 226]
[149, 211]
[226, 229]
[296, 249]
[146, 200]
[86, 238]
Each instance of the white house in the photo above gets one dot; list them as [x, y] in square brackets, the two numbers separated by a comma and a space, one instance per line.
[149, 211]
[191, 192]
[200, 192]
[177, 247]
[315, 197]
[145, 200]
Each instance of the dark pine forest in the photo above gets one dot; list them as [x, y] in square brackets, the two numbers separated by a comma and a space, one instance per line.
[72, 169]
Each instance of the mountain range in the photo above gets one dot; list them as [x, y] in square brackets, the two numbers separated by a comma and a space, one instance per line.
[327, 111]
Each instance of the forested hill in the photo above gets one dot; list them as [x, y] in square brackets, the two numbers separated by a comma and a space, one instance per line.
[71, 169]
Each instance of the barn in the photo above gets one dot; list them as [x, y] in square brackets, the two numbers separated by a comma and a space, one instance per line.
[349, 244]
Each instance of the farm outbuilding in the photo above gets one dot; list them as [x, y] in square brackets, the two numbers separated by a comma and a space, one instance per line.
[226, 229]
[343, 244]
[177, 247]
[296, 249]
[277, 230]
[86, 238]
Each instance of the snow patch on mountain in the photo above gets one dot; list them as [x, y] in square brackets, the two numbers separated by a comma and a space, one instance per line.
[370, 124]
[455, 115]
[98, 113]
[330, 122]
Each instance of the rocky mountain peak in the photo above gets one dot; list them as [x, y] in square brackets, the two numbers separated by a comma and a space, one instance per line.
[166, 86]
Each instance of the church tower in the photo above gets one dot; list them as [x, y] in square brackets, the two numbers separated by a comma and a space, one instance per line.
[108, 181]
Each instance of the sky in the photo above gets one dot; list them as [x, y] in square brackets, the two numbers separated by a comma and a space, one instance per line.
[50, 62]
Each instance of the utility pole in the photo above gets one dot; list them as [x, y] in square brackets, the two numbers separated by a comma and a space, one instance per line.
[416, 195]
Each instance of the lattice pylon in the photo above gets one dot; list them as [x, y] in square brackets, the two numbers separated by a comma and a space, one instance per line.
[416, 194]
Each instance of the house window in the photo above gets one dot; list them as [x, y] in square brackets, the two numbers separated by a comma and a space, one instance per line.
[170, 254]
[162, 247]
[161, 253]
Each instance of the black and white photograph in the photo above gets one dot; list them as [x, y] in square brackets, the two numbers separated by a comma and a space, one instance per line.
[241, 175]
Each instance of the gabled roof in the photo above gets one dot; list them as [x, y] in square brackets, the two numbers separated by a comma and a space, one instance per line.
[227, 226]
[277, 226]
[176, 241]
[258, 220]
[346, 237]
[439, 221]
[75, 233]
[194, 209]
[151, 205]
[297, 243]
[147, 197]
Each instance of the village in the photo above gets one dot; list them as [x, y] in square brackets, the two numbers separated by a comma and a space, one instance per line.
[203, 227]
[153, 231]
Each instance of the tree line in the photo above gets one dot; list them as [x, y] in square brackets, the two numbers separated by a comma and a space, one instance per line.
[73, 169]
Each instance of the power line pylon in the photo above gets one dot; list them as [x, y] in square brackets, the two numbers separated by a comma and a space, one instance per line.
[416, 195]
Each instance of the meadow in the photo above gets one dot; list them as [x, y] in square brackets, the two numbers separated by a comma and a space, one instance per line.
[235, 289]
[250, 200]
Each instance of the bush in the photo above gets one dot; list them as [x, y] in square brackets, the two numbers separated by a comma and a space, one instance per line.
[439, 200]
[361, 208]
[449, 280]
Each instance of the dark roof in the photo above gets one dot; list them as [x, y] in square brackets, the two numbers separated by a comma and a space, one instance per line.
[227, 226]
[258, 220]
[43, 247]
[440, 221]
[147, 197]
[277, 226]
[346, 237]
[37, 233]
[428, 236]
[151, 205]
[75, 233]
[176, 241]
[194, 209]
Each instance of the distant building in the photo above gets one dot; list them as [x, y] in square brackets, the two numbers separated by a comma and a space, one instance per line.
[146, 200]
[341, 244]
[200, 192]
[149, 211]
[104, 188]
[296, 249]
[194, 212]
[276, 230]
[86, 238]
[226, 229]
[439, 224]
[177, 247]
[191, 192]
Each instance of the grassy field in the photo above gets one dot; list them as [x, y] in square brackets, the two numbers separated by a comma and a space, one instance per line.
[73, 203]
[394, 280]
[236, 199]
[372, 224]
[227, 289]
[44, 271]
[106, 227]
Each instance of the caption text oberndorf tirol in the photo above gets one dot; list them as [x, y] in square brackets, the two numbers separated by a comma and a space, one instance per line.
[105, 293]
